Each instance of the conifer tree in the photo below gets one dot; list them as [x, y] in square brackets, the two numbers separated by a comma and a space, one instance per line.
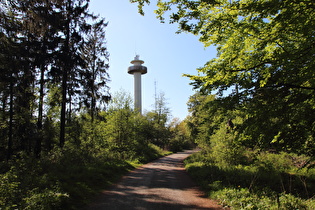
[73, 28]
[41, 52]
[94, 75]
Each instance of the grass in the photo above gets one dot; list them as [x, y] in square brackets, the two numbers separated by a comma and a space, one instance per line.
[270, 181]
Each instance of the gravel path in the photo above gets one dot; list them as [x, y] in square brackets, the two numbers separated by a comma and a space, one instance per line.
[162, 184]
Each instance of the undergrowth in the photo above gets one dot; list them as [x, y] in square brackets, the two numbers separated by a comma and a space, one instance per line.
[65, 178]
[268, 181]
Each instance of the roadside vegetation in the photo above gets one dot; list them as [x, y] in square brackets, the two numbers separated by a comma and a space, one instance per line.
[242, 173]
[262, 181]
[253, 111]
[95, 155]
[67, 178]
[63, 136]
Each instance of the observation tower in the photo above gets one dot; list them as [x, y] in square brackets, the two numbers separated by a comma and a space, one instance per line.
[137, 70]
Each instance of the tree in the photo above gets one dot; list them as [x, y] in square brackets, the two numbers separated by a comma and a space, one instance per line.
[42, 70]
[7, 82]
[121, 126]
[19, 73]
[266, 50]
[180, 137]
[215, 128]
[39, 25]
[95, 76]
[158, 119]
[73, 28]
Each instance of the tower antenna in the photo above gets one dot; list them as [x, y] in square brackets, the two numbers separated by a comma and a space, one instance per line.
[155, 95]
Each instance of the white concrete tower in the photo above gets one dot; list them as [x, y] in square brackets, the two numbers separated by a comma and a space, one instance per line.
[137, 70]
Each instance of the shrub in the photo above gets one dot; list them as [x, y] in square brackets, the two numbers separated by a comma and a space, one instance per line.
[271, 182]
[48, 199]
[288, 201]
[275, 162]
[9, 189]
[242, 198]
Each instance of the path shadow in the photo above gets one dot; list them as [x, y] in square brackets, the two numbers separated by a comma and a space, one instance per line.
[153, 186]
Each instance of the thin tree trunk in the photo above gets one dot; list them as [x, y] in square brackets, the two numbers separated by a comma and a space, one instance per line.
[4, 104]
[63, 108]
[10, 139]
[93, 102]
[41, 99]
[38, 144]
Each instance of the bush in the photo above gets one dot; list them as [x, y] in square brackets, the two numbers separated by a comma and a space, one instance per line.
[64, 178]
[271, 181]
[275, 162]
[242, 198]
[150, 152]
[9, 189]
[225, 150]
[48, 199]
[25, 186]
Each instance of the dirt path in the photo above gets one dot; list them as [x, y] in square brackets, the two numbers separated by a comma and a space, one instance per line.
[162, 184]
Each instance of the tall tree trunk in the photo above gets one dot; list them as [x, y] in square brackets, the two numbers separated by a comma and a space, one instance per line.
[41, 98]
[38, 144]
[70, 104]
[10, 139]
[93, 108]
[93, 101]
[4, 118]
[63, 108]
[64, 87]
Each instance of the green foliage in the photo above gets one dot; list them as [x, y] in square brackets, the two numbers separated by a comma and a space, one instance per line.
[263, 69]
[9, 188]
[225, 149]
[91, 171]
[282, 162]
[152, 152]
[27, 186]
[57, 147]
[264, 83]
[268, 181]
[180, 138]
[234, 165]
[64, 178]
[97, 152]
[244, 199]
[46, 199]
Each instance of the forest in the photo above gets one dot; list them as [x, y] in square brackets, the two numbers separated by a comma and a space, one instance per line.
[64, 136]
[252, 115]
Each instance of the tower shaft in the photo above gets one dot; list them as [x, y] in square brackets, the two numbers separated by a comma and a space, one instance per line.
[137, 92]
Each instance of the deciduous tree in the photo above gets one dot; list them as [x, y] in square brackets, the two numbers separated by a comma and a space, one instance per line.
[265, 49]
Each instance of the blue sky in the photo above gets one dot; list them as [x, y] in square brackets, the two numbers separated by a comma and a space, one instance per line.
[167, 55]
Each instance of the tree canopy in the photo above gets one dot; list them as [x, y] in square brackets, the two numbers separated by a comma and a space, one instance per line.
[264, 64]
[53, 61]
